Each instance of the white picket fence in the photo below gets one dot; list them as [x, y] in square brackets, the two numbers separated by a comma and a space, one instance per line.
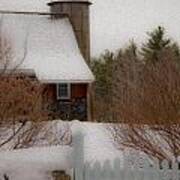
[115, 172]
[146, 170]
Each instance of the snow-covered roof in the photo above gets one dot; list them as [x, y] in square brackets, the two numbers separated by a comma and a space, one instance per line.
[24, 5]
[72, 1]
[32, 5]
[52, 49]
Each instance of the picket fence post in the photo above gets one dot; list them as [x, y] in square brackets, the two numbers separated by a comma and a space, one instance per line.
[113, 171]
[78, 155]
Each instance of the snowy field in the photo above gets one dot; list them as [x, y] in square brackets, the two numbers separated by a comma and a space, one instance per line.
[37, 162]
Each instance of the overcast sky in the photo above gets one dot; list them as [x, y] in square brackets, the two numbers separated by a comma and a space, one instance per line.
[115, 22]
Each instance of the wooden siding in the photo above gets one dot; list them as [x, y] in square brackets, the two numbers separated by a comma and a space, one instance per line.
[77, 91]
[60, 175]
[73, 108]
[50, 92]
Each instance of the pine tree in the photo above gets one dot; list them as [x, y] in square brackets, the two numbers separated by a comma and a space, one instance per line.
[155, 44]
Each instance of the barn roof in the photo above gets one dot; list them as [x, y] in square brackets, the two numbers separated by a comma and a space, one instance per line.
[52, 50]
[24, 5]
[69, 1]
[31, 5]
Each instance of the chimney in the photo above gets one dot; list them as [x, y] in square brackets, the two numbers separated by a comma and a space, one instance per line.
[78, 13]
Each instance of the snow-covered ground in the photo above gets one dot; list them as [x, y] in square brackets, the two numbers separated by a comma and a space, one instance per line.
[42, 161]
[19, 164]
[98, 145]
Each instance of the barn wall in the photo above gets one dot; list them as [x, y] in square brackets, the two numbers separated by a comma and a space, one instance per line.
[74, 108]
[50, 92]
[78, 90]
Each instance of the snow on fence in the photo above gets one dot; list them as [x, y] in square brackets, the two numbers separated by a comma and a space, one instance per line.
[115, 172]
[139, 170]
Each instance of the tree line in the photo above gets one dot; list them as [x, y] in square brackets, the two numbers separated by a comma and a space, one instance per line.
[138, 89]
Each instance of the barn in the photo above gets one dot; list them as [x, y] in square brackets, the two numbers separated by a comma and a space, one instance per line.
[54, 47]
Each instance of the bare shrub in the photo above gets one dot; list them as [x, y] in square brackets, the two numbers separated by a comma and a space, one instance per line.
[21, 93]
[147, 102]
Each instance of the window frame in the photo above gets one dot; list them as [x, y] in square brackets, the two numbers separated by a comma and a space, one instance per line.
[59, 97]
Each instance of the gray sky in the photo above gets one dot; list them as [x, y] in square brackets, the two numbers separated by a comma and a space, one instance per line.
[115, 22]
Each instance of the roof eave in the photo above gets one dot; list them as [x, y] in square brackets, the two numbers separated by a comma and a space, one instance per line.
[70, 1]
[80, 81]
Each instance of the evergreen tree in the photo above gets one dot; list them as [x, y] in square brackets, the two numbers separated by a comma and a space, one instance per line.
[102, 68]
[155, 44]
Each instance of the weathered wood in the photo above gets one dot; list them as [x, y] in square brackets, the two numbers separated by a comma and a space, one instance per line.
[62, 15]
[60, 175]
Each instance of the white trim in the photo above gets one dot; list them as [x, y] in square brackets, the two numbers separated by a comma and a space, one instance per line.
[58, 81]
[69, 92]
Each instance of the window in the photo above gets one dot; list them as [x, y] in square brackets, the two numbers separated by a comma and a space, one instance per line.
[63, 91]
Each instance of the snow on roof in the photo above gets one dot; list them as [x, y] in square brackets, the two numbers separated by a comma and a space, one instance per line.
[69, 0]
[24, 5]
[79, 1]
[52, 50]
[32, 5]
